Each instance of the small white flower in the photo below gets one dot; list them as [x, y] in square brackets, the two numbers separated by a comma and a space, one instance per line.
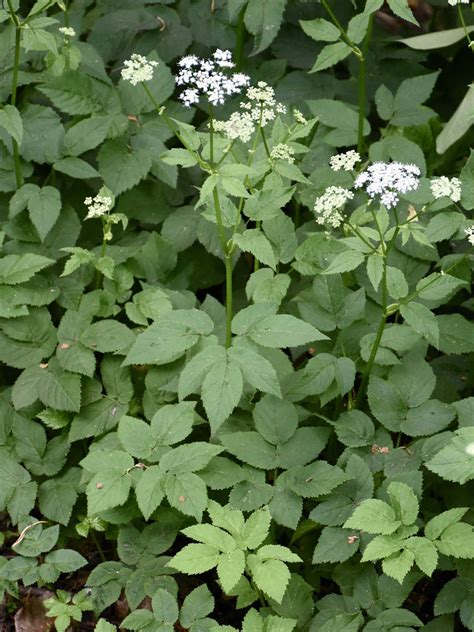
[261, 104]
[239, 125]
[299, 118]
[387, 180]
[346, 161]
[469, 449]
[446, 187]
[327, 206]
[470, 234]
[453, 3]
[138, 69]
[98, 206]
[67, 31]
[208, 77]
[282, 151]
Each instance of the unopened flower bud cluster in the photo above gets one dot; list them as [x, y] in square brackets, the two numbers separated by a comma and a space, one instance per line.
[446, 187]
[138, 69]
[261, 105]
[327, 206]
[209, 77]
[470, 234]
[346, 161]
[67, 31]
[282, 151]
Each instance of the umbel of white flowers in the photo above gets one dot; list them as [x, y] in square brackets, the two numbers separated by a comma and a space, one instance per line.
[470, 234]
[387, 180]
[138, 69]
[453, 3]
[327, 207]
[98, 206]
[67, 31]
[209, 77]
[446, 187]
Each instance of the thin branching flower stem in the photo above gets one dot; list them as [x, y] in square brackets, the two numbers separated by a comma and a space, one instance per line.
[16, 64]
[464, 26]
[362, 86]
[386, 248]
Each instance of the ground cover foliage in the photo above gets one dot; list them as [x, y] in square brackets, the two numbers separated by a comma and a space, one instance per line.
[236, 332]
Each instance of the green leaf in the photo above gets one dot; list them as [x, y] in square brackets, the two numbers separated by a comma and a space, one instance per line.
[57, 496]
[422, 320]
[401, 8]
[76, 168]
[456, 334]
[149, 490]
[221, 391]
[187, 493]
[355, 429]
[20, 268]
[458, 124]
[331, 55]
[254, 241]
[76, 93]
[87, 134]
[404, 501]
[44, 206]
[398, 565]
[275, 419]
[161, 343]
[426, 556]
[334, 545]
[457, 540]
[122, 167]
[190, 457]
[10, 120]
[345, 262]
[196, 605]
[251, 448]
[455, 462]
[256, 370]
[270, 576]
[263, 18]
[437, 39]
[283, 330]
[320, 30]
[373, 516]
[256, 528]
[165, 607]
[435, 527]
[60, 389]
[195, 558]
[108, 489]
[107, 336]
[230, 568]
[65, 560]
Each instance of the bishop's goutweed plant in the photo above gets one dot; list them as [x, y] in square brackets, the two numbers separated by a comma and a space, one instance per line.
[236, 334]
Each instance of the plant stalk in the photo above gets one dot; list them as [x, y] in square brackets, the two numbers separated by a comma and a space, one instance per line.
[16, 64]
[228, 269]
[362, 86]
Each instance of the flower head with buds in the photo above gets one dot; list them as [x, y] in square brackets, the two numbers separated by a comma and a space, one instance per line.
[261, 105]
[446, 187]
[299, 118]
[209, 77]
[346, 161]
[98, 206]
[387, 180]
[67, 31]
[239, 125]
[138, 69]
[327, 207]
[282, 151]
[470, 234]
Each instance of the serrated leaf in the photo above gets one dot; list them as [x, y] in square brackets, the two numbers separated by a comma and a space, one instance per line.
[334, 545]
[10, 120]
[221, 391]
[398, 565]
[20, 268]
[271, 577]
[230, 568]
[455, 462]
[195, 558]
[149, 490]
[331, 55]
[373, 516]
[121, 166]
[60, 389]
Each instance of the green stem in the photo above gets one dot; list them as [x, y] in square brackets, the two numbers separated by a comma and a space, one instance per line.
[463, 23]
[362, 81]
[265, 144]
[341, 29]
[16, 64]
[228, 268]
[99, 548]
[211, 135]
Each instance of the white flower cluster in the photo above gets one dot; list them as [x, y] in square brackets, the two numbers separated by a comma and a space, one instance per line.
[67, 31]
[453, 3]
[387, 180]
[470, 234]
[205, 77]
[239, 125]
[469, 449]
[138, 69]
[299, 118]
[328, 205]
[446, 187]
[282, 151]
[98, 206]
[261, 104]
[346, 161]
